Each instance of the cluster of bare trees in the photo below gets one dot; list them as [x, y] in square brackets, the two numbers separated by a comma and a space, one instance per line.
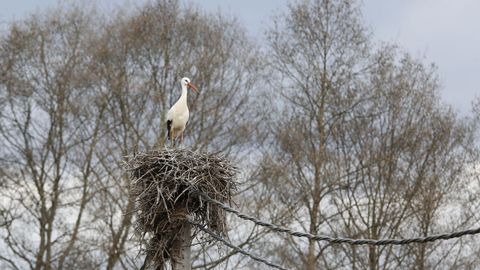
[78, 93]
[334, 135]
[364, 147]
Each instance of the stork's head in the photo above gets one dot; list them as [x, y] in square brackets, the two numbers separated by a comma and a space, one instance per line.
[186, 83]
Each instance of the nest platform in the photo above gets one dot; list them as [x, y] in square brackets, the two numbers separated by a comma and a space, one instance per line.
[164, 184]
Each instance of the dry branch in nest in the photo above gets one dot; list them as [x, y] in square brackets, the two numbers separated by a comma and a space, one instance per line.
[163, 182]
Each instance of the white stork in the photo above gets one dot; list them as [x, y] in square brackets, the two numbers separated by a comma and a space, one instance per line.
[177, 116]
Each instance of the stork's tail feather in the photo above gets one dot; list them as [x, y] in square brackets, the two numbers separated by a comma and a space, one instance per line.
[169, 128]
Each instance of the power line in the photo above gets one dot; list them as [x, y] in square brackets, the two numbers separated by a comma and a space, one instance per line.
[234, 247]
[333, 240]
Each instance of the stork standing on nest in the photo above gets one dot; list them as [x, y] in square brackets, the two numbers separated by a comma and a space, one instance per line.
[177, 116]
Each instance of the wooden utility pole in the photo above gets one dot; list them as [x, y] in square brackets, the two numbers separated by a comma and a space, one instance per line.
[184, 261]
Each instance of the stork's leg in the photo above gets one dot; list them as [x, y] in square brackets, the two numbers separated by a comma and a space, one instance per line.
[172, 139]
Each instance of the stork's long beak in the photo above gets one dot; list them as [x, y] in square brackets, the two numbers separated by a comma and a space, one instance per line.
[193, 87]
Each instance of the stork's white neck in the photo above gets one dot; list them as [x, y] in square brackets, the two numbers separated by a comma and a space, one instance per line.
[183, 97]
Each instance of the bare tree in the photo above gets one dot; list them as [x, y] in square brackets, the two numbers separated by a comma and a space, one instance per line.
[41, 130]
[319, 51]
[79, 92]
[363, 147]
[147, 54]
[408, 154]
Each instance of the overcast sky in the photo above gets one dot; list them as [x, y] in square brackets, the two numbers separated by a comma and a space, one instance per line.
[446, 32]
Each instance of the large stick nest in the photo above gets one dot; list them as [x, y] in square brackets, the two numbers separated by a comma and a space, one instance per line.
[163, 183]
